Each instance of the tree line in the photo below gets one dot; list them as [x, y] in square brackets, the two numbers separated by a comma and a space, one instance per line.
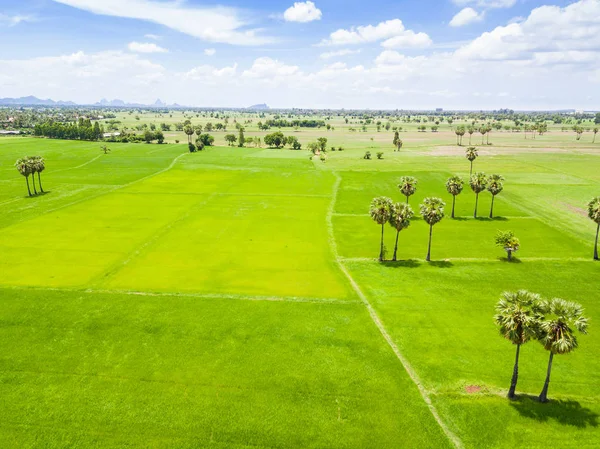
[80, 130]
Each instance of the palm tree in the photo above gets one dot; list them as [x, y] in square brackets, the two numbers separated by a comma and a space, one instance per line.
[432, 210]
[189, 131]
[495, 186]
[23, 168]
[595, 132]
[408, 186]
[594, 214]
[518, 319]
[557, 333]
[105, 149]
[400, 219]
[471, 154]
[40, 166]
[478, 184]
[381, 211]
[32, 170]
[470, 130]
[454, 186]
[508, 241]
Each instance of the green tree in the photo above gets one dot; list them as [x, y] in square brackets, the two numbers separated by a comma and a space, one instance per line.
[454, 186]
[408, 186]
[381, 211]
[595, 132]
[399, 220]
[322, 142]
[231, 139]
[32, 170]
[23, 168]
[432, 211]
[508, 241]
[241, 138]
[189, 131]
[495, 186]
[105, 149]
[518, 320]
[471, 154]
[557, 331]
[594, 214]
[478, 183]
[40, 166]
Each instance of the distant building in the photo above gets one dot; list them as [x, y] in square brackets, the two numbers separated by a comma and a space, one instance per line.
[111, 135]
[10, 132]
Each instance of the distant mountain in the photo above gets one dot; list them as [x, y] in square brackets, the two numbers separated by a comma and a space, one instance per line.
[259, 107]
[159, 103]
[33, 101]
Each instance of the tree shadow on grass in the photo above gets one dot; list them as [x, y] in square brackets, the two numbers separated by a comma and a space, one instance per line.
[460, 218]
[411, 263]
[514, 260]
[491, 219]
[441, 264]
[563, 411]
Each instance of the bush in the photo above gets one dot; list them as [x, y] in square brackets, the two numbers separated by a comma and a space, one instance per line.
[367, 155]
[380, 155]
[191, 147]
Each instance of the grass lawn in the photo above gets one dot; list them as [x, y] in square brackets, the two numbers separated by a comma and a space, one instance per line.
[231, 297]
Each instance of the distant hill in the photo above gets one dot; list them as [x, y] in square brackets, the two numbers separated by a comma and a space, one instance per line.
[259, 107]
[33, 101]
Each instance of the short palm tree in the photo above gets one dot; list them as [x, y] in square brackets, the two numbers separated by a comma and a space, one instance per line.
[399, 220]
[454, 186]
[495, 186]
[508, 241]
[478, 184]
[518, 320]
[471, 154]
[408, 186]
[381, 211]
[594, 214]
[432, 210]
[23, 168]
[557, 331]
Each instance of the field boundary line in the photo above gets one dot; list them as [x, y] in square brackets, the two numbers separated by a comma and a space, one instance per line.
[473, 259]
[300, 299]
[377, 321]
[78, 166]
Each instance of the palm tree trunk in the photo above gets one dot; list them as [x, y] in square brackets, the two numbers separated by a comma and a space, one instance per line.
[396, 246]
[509, 255]
[381, 246]
[28, 189]
[470, 135]
[492, 208]
[544, 394]
[476, 201]
[40, 182]
[515, 376]
[596, 244]
[33, 180]
[406, 199]
[471, 172]
[428, 258]
[453, 204]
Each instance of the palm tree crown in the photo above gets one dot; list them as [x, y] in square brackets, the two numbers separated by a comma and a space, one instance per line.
[432, 210]
[408, 186]
[495, 184]
[478, 182]
[561, 318]
[471, 154]
[518, 316]
[400, 217]
[455, 185]
[381, 210]
[594, 210]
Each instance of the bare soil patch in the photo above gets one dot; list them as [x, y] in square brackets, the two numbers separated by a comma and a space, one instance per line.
[472, 389]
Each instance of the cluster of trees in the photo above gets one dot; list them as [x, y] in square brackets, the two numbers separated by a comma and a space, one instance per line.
[80, 130]
[282, 123]
[202, 141]
[524, 316]
[29, 166]
[278, 140]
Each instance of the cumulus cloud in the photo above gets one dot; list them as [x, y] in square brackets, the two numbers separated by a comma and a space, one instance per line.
[266, 67]
[145, 47]
[209, 51]
[391, 32]
[338, 53]
[209, 73]
[465, 17]
[486, 3]
[214, 24]
[302, 12]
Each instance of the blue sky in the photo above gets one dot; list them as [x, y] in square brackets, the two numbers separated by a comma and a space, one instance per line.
[468, 54]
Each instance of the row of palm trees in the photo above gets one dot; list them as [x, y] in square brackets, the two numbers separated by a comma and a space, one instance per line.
[524, 316]
[29, 166]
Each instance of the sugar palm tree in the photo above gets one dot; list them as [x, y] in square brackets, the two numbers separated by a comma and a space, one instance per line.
[557, 331]
[478, 184]
[471, 154]
[381, 211]
[408, 186]
[454, 186]
[189, 131]
[40, 166]
[399, 220]
[595, 132]
[495, 186]
[509, 242]
[594, 214]
[518, 320]
[432, 210]
[23, 168]
[32, 170]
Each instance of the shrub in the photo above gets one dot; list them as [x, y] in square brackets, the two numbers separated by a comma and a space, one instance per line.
[191, 147]
[367, 155]
[380, 155]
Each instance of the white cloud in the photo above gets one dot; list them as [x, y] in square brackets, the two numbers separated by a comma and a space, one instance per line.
[302, 12]
[210, 51]
[155, 37]
[214, 24]
[208, 73]
[266, 67]
[465, 17]
[392, 31]
[16, 19]
[145, 47]
[339, 53]
[487, 3]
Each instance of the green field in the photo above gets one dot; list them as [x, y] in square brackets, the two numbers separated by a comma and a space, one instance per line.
[232, 298]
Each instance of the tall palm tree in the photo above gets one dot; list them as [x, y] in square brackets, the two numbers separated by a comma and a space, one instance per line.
[32, 170]
[189, 131]
[408, 186]
[454, 186]
[518, 320]
[595, 132]
[400, 219]
[594, 214]
[432, 210]
[557, 331]
[381, 211]
[470, 130]
[478, 184]
[495, 186]
[40, 166]
[471, 154]
[23, 168]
